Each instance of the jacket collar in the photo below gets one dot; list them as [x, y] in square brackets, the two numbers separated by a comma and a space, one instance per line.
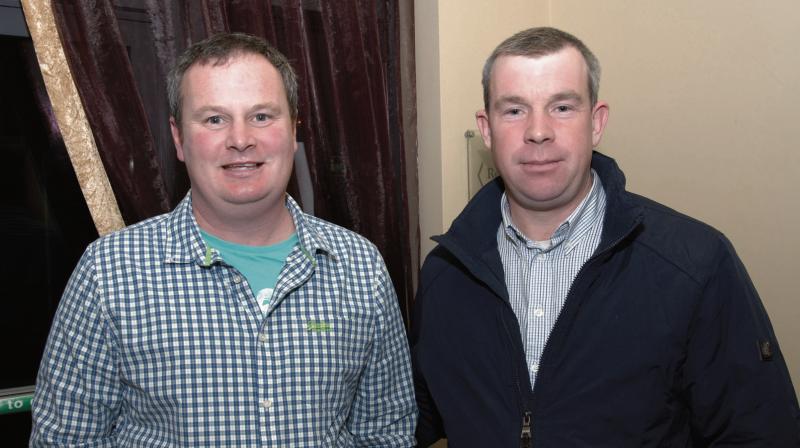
[472, 238]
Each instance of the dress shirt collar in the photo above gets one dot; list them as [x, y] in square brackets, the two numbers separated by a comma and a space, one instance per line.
[571, 230]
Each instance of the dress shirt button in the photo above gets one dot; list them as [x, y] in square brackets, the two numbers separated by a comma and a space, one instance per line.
[237, 279]
[266, 404]
[538, 312]
[535, 367]
[262, 337]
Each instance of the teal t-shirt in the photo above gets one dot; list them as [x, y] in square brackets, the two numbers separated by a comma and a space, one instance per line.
[260, 265]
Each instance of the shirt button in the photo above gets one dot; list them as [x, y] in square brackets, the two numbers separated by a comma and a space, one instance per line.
[535, 367]
[262, 337]
[266, 404]
[237, 279]
[538, 312]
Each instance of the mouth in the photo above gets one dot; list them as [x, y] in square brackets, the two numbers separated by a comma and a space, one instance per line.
[538, 166]
[242, 166]
[538, 163]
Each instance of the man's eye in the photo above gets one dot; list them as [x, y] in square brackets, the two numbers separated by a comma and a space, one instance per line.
[513, 111]
[216, 119]
[262, 117]
[563, 108]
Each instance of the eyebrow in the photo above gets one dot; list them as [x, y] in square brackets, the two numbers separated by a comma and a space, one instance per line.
[272, 107]
[567, 95]
[510, 99]
[205, 109]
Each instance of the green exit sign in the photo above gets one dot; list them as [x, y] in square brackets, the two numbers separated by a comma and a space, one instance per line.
[16, 400]
[20, 403]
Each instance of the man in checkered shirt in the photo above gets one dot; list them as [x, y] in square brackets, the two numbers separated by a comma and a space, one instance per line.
[236, 319]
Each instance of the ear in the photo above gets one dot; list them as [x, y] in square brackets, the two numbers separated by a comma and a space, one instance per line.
[176, 138]
[599, 120]
[294, 134]
[482, 119]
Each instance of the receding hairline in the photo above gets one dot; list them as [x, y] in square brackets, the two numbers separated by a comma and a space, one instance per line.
[566, 94]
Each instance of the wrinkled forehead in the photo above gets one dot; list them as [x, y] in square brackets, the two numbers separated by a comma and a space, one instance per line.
[563, 69]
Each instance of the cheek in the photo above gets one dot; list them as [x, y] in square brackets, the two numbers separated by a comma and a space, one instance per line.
[200, 145]
[502, 156]
[506, 136]
[576, 135]
[278, 140]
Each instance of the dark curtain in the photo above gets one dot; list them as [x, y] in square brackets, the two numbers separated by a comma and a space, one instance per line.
[98, 60]
[44, 221]
[346, 55]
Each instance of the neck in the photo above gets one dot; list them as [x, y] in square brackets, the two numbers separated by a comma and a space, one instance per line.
[539, 223]
[537, 226]
[243, 225]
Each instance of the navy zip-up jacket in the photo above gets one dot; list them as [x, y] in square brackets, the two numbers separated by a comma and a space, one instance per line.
[662, 341]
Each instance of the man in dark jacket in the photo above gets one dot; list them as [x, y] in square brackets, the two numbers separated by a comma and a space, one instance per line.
[560, 310]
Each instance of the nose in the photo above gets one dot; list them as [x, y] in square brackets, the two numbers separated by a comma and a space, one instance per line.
[539, 129]
[240, 137]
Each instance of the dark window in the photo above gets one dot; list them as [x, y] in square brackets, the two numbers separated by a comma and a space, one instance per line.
[44, 222]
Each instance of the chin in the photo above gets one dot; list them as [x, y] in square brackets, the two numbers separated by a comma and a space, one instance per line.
[245, 198]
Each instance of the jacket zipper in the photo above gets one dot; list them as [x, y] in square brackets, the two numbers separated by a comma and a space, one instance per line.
[526, 436]
[569, 292]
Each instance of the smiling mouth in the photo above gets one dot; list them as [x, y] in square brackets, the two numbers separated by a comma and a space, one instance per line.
[242, 166]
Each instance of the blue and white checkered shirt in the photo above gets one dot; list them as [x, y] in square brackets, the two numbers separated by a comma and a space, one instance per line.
[539, 273]
[158, 343]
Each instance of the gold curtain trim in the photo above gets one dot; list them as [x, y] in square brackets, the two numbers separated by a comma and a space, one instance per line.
[71, 117]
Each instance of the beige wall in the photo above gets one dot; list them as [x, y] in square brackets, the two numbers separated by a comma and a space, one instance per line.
[453, 38]
[704, 102]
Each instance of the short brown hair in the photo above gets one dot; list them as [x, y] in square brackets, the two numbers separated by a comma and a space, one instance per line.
[537, 42]
[217, 50]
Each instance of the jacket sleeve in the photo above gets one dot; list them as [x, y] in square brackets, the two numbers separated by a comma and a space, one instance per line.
[737, 385]
[77, 397]
[430, 427]
[383, 411]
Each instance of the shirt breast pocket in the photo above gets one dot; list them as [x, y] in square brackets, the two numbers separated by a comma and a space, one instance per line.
[338, 344]
[322, 355]
[324, 352]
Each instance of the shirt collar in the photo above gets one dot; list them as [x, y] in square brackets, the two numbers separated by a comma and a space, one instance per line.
[572, 229]
[311, 241]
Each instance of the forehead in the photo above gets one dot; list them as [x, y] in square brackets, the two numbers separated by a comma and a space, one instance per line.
[249, 71]
[563, 70]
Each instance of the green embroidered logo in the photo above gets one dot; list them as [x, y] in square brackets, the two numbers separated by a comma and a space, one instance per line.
[318, 326]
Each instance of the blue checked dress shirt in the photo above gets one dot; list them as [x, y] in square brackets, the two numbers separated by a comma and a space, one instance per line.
[539, 274]
[157, 342]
